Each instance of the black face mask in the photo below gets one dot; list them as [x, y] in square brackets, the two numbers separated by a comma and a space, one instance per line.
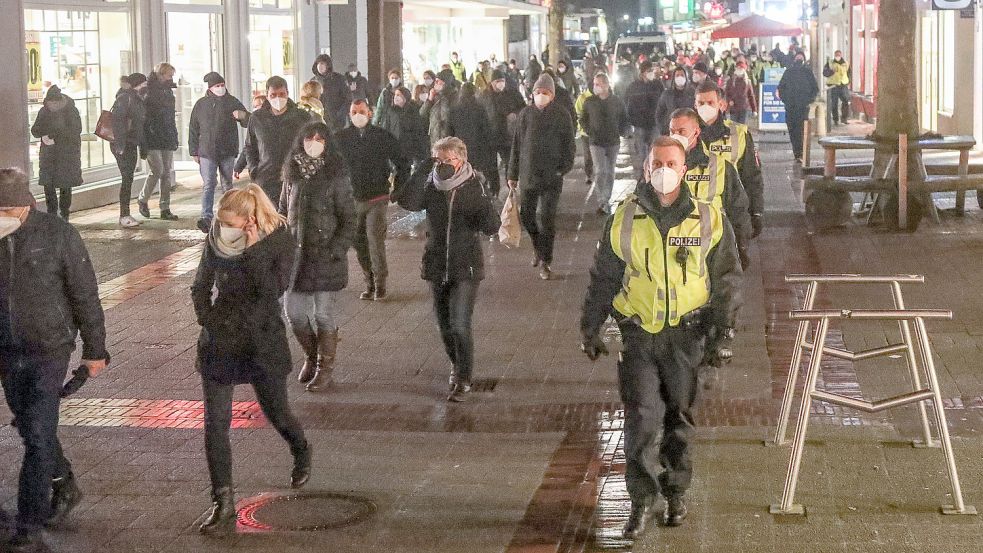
[445, 171]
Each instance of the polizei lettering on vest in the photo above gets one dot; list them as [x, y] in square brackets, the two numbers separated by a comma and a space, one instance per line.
[683, 241]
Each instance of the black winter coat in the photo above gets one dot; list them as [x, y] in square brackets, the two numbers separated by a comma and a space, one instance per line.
[642, 101]
[269, 140]
[358, 86]
[798, 87]
[60, 164]
[372, 155]
[129, 115]
[336, 97]
[605, 121]
[243, 336]
[321, 216]
[213, 133]
[469, 122]
[409, 129]
[503, 108]
[51, 291]
[673, 99]
[160, 127]
[543, 147]
[453, 253]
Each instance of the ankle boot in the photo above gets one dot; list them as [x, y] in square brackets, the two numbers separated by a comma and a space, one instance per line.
[302, 467]
[369, 293]
[327, 347]
[65, 496]
[222, 518]
[380, 289]
[308, 342]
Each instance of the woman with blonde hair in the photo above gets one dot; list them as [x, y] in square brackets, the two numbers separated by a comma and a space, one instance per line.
[248, 257]
[310, 100]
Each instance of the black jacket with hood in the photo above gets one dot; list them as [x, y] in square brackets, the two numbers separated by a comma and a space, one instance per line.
[160, 126]
[60, 164]
[469, 122]
[336, 96]
[543, 147]
[129, 116]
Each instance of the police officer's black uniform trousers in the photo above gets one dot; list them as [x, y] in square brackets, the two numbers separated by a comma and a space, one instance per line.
[657, 376]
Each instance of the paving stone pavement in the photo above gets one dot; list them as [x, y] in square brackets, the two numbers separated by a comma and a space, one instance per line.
[535, 463]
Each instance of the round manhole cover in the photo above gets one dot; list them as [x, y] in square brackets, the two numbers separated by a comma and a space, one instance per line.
[304, 512]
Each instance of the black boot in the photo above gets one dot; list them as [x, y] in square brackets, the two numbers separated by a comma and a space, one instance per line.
[676, 510]
[640, 518]
[222, 519]
[380, 289]
[369, 293]
[302, 467]
[65, 496]
[24, 542]
[327, 348]
[308, 342]
[168, 216]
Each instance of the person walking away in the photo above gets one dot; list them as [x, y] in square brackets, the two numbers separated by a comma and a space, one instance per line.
[680, 94]
[514, 76]
[129, 115]
[404, 122]
[502, 105]
[712, 178]
[457, 66]
[732, 141]
[605, 120]
[270, 135]
[543, 151]
[336, 96]
[676, 312]
[213, 141]
[59, 127]
[48, 297]
[437, 109]
[358, 84]
[310, 100]
[797, 89]
[385, 102]
[642, 101]
[374, 159]
[459, 209]
[159, 140]
[739, 94]
[837, 73]
[317, 201]
[248, 258]
[582, 137]
[567, 79]
[469, 122]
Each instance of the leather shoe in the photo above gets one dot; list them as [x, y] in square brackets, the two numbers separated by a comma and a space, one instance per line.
[222, 518]
[676, 510]
[640, 518]
[302, 468]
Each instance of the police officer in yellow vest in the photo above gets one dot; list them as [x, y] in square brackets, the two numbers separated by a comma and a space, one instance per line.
[712, 178]
[733, 142]
[837, 73]
[667, 271]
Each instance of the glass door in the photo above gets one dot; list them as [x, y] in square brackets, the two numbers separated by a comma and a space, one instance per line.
[194, 48]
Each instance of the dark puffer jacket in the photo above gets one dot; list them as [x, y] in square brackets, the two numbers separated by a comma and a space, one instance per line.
[454, 253]
[129, 115]
[321, 216]
[469, 122]
[213, 133]
[60, 164]
[243, 336]
[543, 147]
[503, 107]
[642, 101]
[51, 290]
[673, 99]
[336, 97]
[160, 127]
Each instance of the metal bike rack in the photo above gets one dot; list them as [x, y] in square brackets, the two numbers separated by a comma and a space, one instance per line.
[803, 344]
[919, 395]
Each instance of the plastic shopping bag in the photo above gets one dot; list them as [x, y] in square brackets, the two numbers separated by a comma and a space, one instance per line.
[511, 229]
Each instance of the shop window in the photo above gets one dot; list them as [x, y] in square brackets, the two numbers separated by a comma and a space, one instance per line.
[195, 2]
[947, 61]
[85, 53]
[271, 49]
[194, 48]
[281, 4]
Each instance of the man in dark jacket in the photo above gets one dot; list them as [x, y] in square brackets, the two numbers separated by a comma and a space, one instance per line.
[403, 120]
[374, 158]
[503, 105]
[159, 140]
[797, 89]
[213, 141]
[271, 134]
[469, 122]
[543, 150]
[680, 94]
[48, 295]
[532, 72]
[642, 101]
[604, 120]
[358, 85]
[59, 126]
[129, 114]
[336, 96]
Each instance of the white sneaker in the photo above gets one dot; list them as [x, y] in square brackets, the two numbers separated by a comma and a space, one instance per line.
[128, 222]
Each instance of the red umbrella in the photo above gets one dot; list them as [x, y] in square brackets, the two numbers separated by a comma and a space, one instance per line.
[754, 26]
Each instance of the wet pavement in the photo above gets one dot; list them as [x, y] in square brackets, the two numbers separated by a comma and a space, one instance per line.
[535, 461]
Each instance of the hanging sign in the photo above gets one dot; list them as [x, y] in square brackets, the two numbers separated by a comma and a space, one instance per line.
[34, 84]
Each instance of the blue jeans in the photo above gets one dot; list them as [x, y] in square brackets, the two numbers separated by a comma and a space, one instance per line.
[641, 142]
[604, 161]
[207, 168]
[453, 302]
[315, 310]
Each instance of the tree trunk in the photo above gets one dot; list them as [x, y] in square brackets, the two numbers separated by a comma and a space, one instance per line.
[897, 87]
[558, 50]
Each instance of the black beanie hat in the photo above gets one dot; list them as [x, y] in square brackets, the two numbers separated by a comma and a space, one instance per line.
[498, 75]
[213, 79]
[136, 79]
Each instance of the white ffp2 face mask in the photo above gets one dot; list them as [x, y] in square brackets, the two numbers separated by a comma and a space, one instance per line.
[707, 112]
[230, 234]
[278, 104]
[680, 81]
[360, 120]
[542, 100]
[218, 90]
[8, 225]
[681, 139]
[314, 148]
[665, 180]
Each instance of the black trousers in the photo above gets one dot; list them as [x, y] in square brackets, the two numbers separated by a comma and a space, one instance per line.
[588, 159]
[453, 303]
[538, 215]
[839, 102]
[31, 385]
[657, 376]
[58, 200]
[795, 118]
[127, 164]
[271, 392]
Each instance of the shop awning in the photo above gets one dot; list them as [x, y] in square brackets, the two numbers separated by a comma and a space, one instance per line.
[754, 26]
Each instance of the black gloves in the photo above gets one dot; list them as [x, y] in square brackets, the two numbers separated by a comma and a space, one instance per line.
[720, 347]
[757, 223]
[594, 346]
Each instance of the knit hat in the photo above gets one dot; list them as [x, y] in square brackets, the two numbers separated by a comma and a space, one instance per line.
[498, 75]
[15, 190]
[136, 79]
[53, 94]
[545, 82]
[213, 79]
[701, 67]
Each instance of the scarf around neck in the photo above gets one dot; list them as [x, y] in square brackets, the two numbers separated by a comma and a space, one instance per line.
[307, 165]
[224, 248]
[460, 177]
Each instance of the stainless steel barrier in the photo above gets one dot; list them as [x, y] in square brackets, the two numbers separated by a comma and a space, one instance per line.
[919, 395]
[803, 344]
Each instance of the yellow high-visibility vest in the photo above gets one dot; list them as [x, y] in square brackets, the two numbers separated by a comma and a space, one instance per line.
[732, 146]
[706, 184]
[841, 73]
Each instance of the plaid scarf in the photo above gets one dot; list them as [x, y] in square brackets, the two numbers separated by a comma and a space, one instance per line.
[307, 165]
